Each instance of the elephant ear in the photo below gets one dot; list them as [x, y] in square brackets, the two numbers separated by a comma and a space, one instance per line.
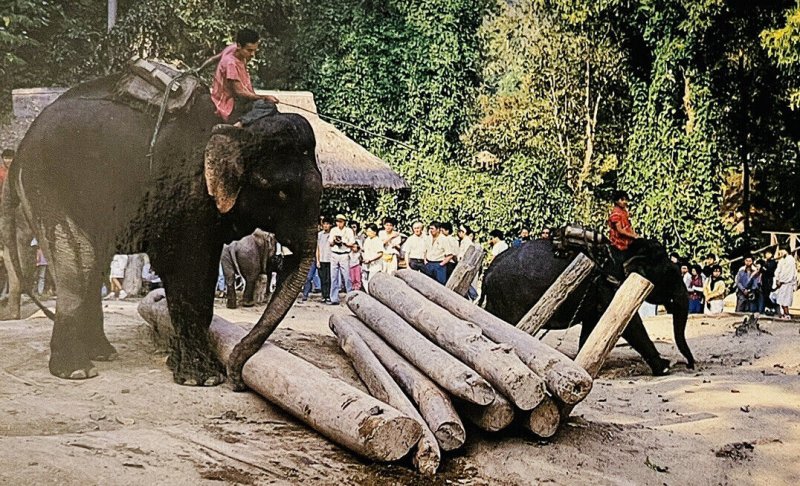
[224, 168]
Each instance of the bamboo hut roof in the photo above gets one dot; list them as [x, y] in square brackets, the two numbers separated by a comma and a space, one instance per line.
[344, 163]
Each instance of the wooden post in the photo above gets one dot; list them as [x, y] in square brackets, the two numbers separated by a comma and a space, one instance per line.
[544, 419]
[609, 328]
[383, 387]
[440, 366]
[548, 304]
[566, 380]
[342, 413]
[153, 309]
[465, 270]
[132, 283]
[498, 363]
[493, 417]
[434, 404]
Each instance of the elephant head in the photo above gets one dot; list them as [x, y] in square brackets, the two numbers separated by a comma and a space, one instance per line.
[266, 176]
[648, 258]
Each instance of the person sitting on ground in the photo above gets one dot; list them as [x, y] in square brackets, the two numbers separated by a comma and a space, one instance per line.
[714, 291]
[437, 254]
[232, 91]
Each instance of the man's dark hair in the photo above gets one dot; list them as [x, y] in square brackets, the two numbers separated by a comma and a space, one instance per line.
[675, 254]
[711, 256]
[326, 219]
[716, 267]
[617, 195]
[246, 36]
[392, 221]
[354, 223]
[9, 153]
[372, 226]
[435, 224]
[467, 230]
[746, 256]
[447, 227]
[496, 233]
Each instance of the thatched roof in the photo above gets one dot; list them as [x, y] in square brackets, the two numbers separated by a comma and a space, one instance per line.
[344, 163]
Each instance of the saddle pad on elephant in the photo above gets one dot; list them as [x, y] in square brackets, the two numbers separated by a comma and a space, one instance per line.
[146, 80]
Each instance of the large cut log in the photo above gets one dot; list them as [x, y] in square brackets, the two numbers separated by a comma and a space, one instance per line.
[493, 417]
[132, 283]
[557, 293]
[433, 403]
[612, 323]
[342, 413]
[566, 380]
[609, 328]
[451, 374]
[465, 270]
[544, 419]
[498, 363]
[381, 385]
[153, 309]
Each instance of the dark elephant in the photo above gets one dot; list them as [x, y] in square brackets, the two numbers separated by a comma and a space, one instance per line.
[85, 181]
[518, 277]
[249, 257]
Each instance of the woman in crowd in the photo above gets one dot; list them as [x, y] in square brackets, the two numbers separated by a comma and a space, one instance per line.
[785, 282]
[696, 291]
[372, 255]
[714, 291]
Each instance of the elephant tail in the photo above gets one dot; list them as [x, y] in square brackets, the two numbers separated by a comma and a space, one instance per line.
[11, 200]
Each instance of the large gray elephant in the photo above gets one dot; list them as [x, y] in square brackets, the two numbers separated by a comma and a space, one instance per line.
[518, 277]
[27, 257]
[84, 179]
[249, 257]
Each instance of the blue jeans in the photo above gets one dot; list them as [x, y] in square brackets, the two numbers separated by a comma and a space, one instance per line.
[437, 272]
[312, 275]
[340, 269]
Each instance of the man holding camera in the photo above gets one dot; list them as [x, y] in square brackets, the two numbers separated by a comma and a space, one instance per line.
[341, 241]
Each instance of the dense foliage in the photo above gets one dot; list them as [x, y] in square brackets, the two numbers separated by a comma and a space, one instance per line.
[520, 113]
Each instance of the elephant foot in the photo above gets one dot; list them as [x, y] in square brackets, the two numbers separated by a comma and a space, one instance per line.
[70, 367]
[102, 351]
[197, 371]
[235, 379]
[659, 366]
[248, 303]
[230, 305]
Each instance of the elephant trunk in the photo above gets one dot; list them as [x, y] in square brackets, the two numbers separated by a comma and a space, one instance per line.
[680, 314]
[278, 307]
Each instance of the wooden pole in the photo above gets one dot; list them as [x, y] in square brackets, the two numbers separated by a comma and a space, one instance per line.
[434, 404]
[566, 380]
[544, 419]
[548, 304]
[381, 385]
[451, 374]
[493, 417]
[153, 309]
[465, 270]
[342, 413]
[609, 328]
[498, 363]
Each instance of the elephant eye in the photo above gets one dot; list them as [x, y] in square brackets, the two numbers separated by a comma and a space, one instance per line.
[259, 180]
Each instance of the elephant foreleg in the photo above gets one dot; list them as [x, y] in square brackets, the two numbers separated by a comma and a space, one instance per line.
[636, 335]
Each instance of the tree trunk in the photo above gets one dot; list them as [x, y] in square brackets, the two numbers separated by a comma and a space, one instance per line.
[448, 372]
[433, 403]
[548, 304]
[383, 387]
[153, 309]
[544, 419]
[609, 328]
[493, 417]
[498, 363]
[340, 412]
[465, 270]
[563, 378]
[132, 283]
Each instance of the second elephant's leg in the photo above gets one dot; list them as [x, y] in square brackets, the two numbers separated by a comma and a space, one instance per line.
[637, 337]
[249, 290]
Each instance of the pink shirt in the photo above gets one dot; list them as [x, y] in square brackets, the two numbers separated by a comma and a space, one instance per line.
[230, 68]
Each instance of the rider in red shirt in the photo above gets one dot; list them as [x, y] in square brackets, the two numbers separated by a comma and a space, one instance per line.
[620, 231]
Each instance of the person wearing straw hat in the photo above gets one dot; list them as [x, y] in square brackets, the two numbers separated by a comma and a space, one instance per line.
[785, 282]
[341, 241]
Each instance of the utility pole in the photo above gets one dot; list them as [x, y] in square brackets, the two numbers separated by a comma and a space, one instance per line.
[112, 14]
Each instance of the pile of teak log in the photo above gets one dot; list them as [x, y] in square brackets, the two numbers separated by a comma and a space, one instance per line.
[429, 359]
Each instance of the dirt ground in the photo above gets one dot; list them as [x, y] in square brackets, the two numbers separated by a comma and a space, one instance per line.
[733, 420]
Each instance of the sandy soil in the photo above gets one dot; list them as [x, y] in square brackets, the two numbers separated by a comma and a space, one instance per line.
[734, 420]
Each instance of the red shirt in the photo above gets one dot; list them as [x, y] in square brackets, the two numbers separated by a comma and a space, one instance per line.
[3, 173]
[619, 219]
[230, 68]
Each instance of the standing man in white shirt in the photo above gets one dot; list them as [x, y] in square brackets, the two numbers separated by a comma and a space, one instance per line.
[498, 245]
[452, 247]
[414, 248]
[391, 244]
[341, 242]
